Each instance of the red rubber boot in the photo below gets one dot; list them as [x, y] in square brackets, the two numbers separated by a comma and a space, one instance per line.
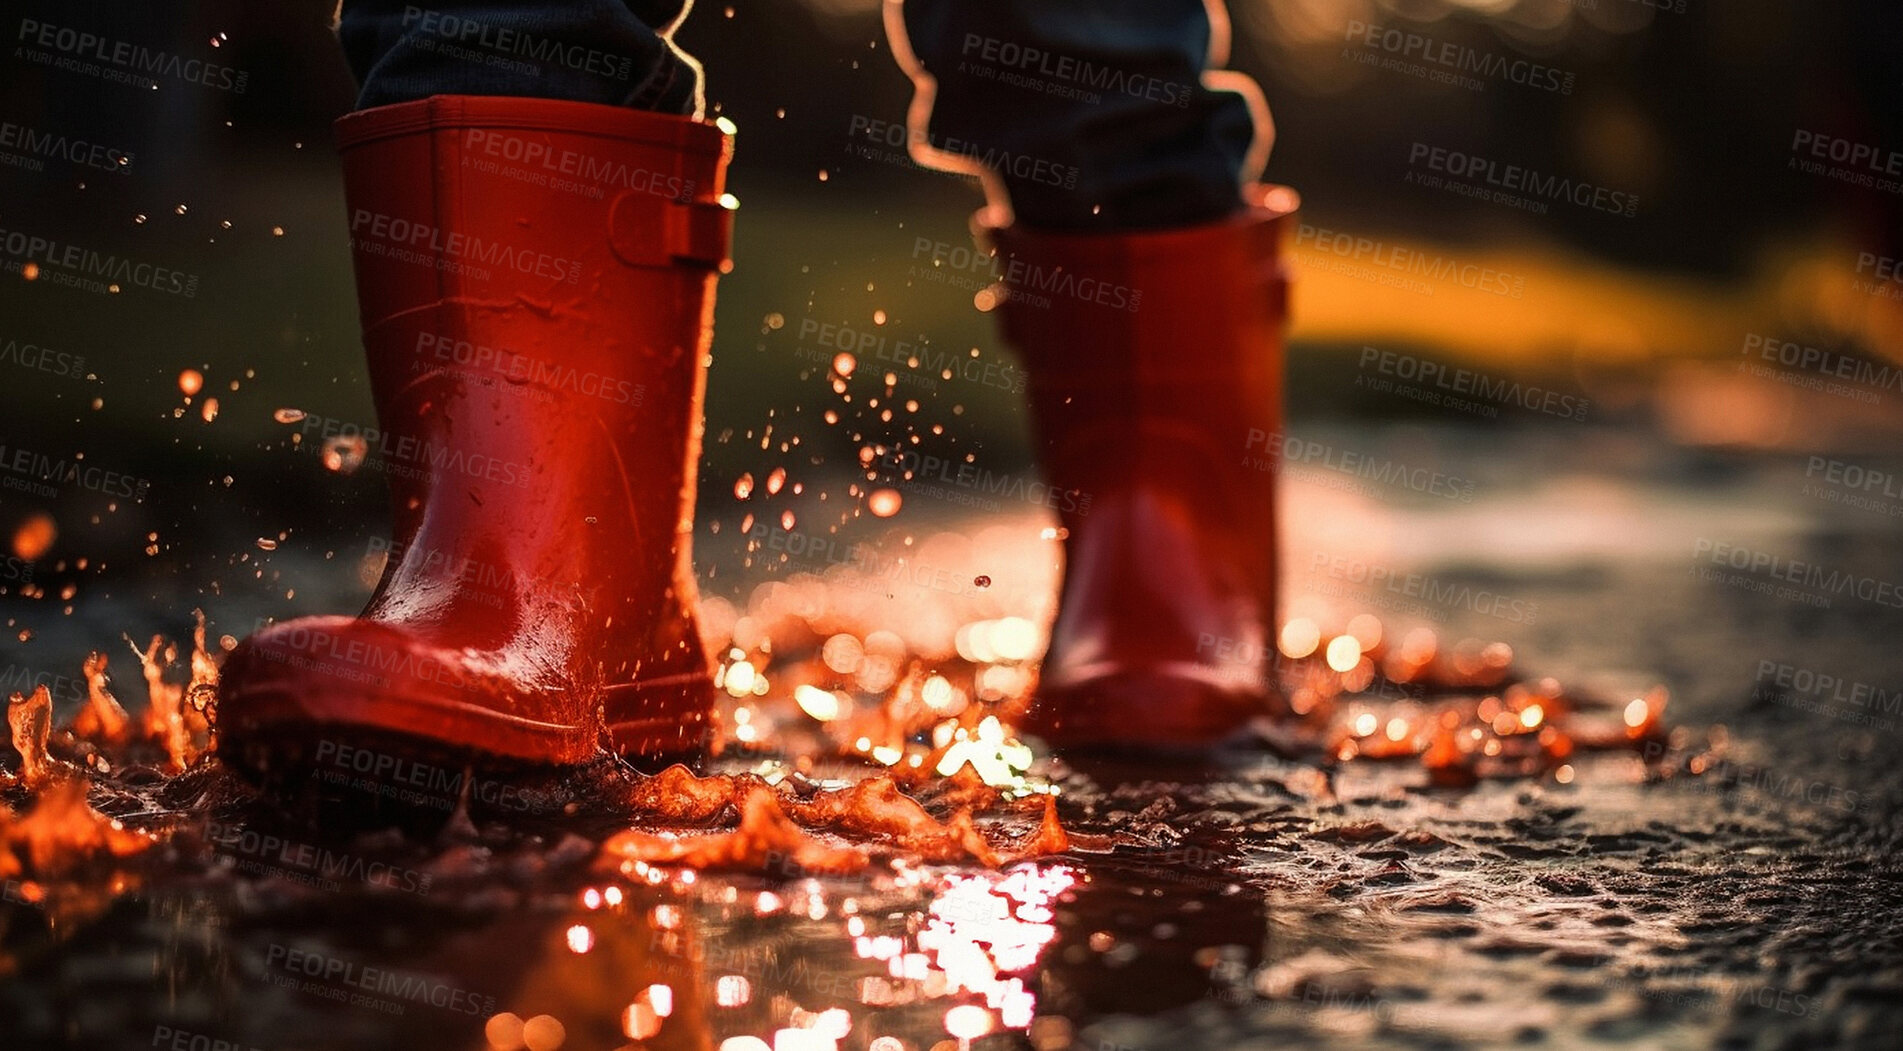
[1154, 365]
[536, 281]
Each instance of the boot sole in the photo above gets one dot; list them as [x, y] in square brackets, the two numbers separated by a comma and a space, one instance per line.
[371, 775]
[1142, 712]
[288, 722]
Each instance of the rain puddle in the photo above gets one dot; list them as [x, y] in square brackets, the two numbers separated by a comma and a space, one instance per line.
[870, 858]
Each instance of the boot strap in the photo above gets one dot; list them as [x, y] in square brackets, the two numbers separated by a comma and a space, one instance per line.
[648, 230]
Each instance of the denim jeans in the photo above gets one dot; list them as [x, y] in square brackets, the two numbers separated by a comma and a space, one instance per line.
[1092, 112]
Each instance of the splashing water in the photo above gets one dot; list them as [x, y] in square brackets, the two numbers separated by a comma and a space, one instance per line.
[864, 730]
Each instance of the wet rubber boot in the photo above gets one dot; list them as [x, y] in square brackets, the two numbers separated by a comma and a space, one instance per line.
[1154, 367]
[536, 280]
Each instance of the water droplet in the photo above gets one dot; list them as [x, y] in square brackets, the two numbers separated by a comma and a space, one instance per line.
[968, 1021]
[1636, 712]
[1343, 653]
[35, 537]
[543, 1033]
[504, 1031]
[884, 503]
[640, 1021]
[345, 453]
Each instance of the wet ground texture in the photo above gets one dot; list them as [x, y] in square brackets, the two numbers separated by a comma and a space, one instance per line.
[1729, 877]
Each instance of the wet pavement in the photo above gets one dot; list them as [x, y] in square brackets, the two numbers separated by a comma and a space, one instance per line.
[1732, 881]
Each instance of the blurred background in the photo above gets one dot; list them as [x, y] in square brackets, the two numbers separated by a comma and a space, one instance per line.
[1719, 366]
[1646, 435]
